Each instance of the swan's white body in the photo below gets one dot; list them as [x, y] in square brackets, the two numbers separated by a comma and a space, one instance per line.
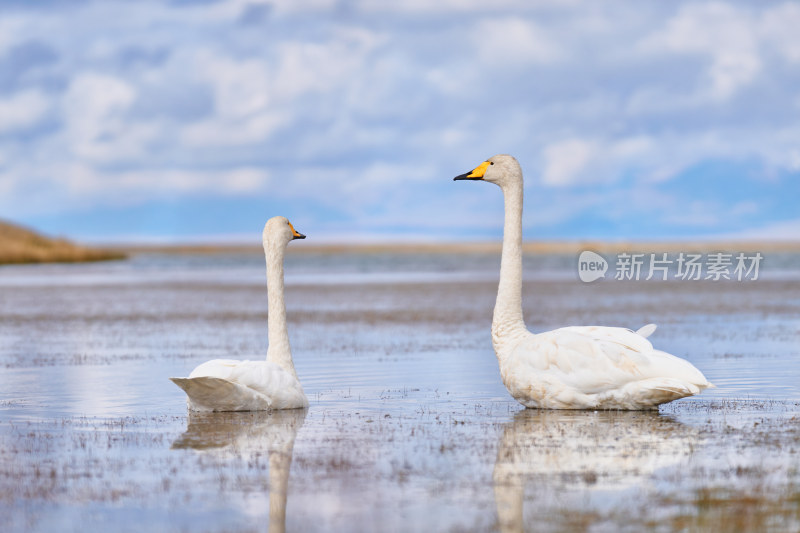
[233, 385]
[591, 367]
[594, 367]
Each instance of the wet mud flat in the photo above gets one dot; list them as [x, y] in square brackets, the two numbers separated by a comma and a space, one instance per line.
[409, 427]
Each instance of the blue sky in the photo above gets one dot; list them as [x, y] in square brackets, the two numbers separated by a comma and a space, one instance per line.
[198, 120]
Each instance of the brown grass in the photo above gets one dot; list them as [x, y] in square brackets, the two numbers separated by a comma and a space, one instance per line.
[544, 247]
[21, 245]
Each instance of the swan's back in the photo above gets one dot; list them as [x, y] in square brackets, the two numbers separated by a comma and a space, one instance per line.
[233, 385]
[596, 367]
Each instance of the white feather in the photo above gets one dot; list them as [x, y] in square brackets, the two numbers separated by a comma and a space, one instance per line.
[646, 331]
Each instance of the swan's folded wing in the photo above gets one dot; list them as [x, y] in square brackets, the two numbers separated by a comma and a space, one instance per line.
[595, 359]
[649, 362]
[283, 389]
[207, 393]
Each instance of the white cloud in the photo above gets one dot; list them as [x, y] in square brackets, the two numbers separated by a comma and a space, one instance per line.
[632, 148]
[220, 132]
[241, 88]
[513, 41]
[314, 67]
[462, 6]
[11, 29]
[723, 33]
[647, 159]
[282, 7]
[22, 110]
[69, 186]
[356, 188]
[243, 94]
[779, 26]
[659, 158]
[566, 160]
[242, 180]
[255, 97]
[99, 127]
[81, 180]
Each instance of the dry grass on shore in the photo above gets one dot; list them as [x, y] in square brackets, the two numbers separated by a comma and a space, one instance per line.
[531, 247]
[21, 245]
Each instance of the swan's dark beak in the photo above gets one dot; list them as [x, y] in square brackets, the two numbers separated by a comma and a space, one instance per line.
[466, 176]
[474, 174]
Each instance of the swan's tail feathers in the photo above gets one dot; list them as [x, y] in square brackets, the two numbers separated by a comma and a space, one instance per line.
[649, 393]
[207, 393]
[646, 331]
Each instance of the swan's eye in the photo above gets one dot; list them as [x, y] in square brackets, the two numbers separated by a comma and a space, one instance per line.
[491, 162]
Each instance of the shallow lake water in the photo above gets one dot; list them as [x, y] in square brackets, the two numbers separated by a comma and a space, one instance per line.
[409, 426]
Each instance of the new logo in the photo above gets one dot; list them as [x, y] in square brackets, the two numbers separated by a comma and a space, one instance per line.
[591, 266]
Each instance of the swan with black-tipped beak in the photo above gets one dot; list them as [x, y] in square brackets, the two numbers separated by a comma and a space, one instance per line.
[234, 385]
[591, 367]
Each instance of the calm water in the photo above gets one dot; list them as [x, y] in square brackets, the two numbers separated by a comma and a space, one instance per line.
[409, 426]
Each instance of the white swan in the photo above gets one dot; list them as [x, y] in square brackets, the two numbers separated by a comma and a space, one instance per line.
[574, 367]
[233, 385]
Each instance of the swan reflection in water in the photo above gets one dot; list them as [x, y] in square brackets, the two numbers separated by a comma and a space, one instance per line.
[249, 434]
[582, 451]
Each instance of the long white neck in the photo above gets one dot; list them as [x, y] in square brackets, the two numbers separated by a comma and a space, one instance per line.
[279, 351]
[507, 321]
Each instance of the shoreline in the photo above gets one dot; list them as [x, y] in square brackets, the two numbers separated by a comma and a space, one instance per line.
[77, 256]
[543, 247]
[20, 246]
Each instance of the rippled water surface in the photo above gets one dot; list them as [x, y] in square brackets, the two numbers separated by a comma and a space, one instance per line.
[409, 426]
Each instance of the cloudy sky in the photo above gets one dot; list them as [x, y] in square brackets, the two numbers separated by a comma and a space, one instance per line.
[192, 120]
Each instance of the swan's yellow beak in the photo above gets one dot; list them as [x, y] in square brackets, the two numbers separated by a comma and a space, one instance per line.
[295, 233]
[475, 174]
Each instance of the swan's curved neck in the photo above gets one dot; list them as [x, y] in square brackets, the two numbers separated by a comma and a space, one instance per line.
[508, 307]
[279, 351]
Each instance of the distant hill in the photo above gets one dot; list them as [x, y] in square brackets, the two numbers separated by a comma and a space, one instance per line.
[21, 245]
